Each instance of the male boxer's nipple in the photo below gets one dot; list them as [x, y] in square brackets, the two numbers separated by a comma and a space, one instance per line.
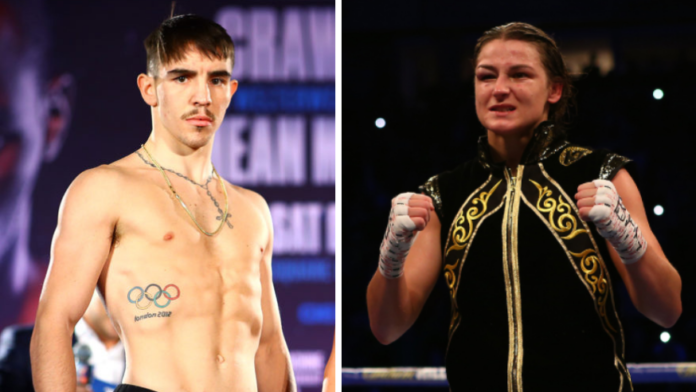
[169, 236]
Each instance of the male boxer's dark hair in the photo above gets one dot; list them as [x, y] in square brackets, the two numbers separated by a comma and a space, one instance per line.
[176, 35]
[550, 56]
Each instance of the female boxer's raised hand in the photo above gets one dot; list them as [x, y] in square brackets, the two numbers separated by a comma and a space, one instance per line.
[599, 202]
[410, 213]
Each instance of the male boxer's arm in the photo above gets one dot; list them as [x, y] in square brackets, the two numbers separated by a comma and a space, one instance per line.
[652, 282]
[273, 366]
[329, 384]
[394, 303]
[81, 245]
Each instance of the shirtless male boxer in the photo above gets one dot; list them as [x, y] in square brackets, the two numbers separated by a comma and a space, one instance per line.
[182, 258]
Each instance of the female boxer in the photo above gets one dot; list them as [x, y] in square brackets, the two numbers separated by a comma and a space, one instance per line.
[531, 236]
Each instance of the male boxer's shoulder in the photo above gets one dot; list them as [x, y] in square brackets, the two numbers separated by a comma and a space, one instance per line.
[96, 189]
[248, 195]
[126, 173]
[102, 181]
[253, 198]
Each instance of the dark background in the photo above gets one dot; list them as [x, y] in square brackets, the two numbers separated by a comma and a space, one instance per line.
[409, 62]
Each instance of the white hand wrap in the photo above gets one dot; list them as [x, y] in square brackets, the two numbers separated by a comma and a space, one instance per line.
[615, 224]
[398, 238]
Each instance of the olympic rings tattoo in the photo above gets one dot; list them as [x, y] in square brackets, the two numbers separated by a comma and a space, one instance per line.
[152, 296]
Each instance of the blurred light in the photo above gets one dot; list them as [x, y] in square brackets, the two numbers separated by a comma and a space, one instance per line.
[658, 94]
[308, 367]
[380, 123]
[317, 313]
[658, 210]
[665, 336]
[288, 270]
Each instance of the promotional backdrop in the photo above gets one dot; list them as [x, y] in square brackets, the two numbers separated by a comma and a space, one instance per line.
[77, 62]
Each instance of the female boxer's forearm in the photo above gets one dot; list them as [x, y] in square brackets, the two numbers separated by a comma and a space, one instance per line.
[617, 211]
[396, 293]
[52, 359]
[390, 308]
[656, 288]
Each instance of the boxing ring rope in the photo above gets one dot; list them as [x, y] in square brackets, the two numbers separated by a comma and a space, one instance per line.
[641, 373]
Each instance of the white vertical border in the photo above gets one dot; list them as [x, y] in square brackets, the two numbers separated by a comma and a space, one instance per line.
[339, 202]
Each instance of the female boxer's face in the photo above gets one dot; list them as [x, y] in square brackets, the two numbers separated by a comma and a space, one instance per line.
[513, 92]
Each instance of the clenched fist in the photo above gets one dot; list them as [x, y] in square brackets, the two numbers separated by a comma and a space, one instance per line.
[599, 202]
[410, 213]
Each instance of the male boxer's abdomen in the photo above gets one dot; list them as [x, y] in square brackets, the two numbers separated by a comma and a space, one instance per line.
[195, 352]
[188, 321]
[197, 363]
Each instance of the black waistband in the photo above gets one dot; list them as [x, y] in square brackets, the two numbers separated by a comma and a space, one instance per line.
[131, 388]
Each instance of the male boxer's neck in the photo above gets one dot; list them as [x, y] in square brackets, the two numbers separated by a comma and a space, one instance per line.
[173, 155]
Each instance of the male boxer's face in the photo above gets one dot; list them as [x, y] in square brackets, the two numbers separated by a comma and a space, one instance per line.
[192, 97]
[512, 89]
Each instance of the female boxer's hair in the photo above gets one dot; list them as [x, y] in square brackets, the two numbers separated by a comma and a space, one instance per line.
[176, 35]
[550, 56]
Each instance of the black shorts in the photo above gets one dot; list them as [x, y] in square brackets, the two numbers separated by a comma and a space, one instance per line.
[131, 388]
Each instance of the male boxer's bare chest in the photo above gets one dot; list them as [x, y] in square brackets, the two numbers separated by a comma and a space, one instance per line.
[162, 269]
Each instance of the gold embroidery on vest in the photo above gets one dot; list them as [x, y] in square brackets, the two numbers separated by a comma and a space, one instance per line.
[461, 235]
[595, 277]
[573, 154]
[593, 268]
[512, 279]
[449, 274]
[566, 221]
[453, 321]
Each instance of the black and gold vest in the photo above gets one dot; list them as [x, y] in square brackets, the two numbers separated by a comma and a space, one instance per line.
[530, 282]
